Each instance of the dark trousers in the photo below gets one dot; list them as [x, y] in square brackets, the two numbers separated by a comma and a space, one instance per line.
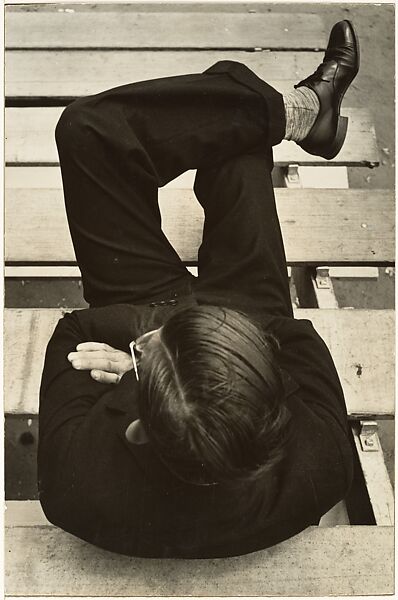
[118, 147]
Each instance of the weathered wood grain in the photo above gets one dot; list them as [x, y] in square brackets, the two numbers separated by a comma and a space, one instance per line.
[318, 226]
[30, 140]
[26, 513]
[43, 560]
[356, 340]
[26, 334]
[378, 484]
[50, 177]
[368, 383]
[88, 27]
[58, 74]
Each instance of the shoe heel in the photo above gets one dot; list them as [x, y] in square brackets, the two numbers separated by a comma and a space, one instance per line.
[339, 138]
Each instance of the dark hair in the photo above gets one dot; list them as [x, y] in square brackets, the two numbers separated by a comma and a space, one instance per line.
[212, 396]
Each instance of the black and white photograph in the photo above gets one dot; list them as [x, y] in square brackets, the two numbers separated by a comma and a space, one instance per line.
[199, 293]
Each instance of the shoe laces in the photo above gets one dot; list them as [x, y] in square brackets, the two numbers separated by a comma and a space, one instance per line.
[340, 54]
[317, 75]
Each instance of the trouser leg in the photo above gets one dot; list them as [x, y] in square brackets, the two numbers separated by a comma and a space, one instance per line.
[242, 259]
[118, 147]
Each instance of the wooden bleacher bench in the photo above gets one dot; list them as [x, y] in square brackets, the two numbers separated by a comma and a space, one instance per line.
[318, 562]
[57, 52]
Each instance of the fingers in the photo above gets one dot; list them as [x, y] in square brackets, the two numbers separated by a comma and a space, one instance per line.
[108, 364]
[105, 377]
[88, 361]
[92, 346]
[90, 358]
[114, 356]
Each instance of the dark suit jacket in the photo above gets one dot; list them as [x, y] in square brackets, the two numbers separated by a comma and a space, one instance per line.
[97, 486]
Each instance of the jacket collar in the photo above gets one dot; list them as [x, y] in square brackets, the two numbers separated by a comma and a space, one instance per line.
[290, 385]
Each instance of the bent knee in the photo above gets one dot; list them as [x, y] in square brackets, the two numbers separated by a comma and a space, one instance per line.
[74, 122]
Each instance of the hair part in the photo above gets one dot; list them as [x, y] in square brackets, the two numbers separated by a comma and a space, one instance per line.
[212, 397]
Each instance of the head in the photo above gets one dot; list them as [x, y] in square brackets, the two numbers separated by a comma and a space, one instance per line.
[212, 395]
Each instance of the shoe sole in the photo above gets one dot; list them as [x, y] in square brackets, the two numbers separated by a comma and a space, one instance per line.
[342, 123]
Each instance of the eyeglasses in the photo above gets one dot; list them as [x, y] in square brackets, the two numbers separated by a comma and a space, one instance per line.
[137, 346]
[132, 345]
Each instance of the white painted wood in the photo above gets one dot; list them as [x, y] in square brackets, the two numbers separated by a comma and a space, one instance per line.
[59, 271]
[326, 298]
[24, 513]
[45, 561]
[354, 272]
[65, 272]
[30, 139]
[377, 482]
[318, 226]
[323, 289]
[26, 334]
[53, 74]
[90, 27]
[292, 178]
[50, 177]
[55, 272]
[324, 177]
[357, 339]
[367, 382]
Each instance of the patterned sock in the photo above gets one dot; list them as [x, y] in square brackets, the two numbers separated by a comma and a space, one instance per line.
[301, 109]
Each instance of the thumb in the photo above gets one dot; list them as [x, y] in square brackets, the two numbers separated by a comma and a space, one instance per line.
[105, 377]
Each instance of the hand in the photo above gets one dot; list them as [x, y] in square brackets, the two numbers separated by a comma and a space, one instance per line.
[106, 364]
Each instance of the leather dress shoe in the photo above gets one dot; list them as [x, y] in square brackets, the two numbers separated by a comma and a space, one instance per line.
[330, 82]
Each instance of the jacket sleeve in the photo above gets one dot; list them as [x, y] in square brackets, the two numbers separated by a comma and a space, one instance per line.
[66, 397]
[305, 356]
[319, 407]
[65, 393]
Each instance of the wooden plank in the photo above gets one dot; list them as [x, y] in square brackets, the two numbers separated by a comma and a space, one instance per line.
[48, 272]
[50, 177]
[356, 340]
[26, 334]
[30, 140]
[79, 73]
[377, 481]
[24, 513]
[323, 177]
[324, 291]
[318, 226]
[354, 272]
[368, 383]
[65, 272]
[82, 26]
[44, 560]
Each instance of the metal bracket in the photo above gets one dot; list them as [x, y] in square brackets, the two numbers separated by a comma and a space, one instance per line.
[322, 278]
[292, 177]
[368, 436]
